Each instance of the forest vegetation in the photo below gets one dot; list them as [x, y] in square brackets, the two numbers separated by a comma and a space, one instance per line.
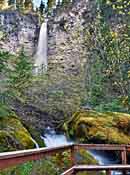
[91, 104]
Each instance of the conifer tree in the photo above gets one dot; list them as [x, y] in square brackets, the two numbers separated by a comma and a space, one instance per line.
[28, 5]
[42, 7]
[15, 78]
[20, 77]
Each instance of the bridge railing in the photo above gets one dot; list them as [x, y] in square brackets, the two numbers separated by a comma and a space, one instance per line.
[92, 168]
[9, 159]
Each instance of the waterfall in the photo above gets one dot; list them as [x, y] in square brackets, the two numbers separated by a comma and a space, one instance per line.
[2, 19]
[41, 54]
[36, 144]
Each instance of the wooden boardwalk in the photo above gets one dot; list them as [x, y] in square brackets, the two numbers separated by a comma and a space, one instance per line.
[9, 159]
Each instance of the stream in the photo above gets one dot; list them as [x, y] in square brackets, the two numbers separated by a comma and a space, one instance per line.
[51, 139]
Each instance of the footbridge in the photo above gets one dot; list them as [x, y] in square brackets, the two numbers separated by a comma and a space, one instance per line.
[10, 159]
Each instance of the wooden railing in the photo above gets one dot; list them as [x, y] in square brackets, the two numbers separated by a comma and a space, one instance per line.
[9, 159]
[109, 168]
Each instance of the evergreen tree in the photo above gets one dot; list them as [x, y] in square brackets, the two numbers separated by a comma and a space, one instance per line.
[42, 7]
[21, 76]
[11, 2]
[51, 4]
[15, 78]
[4, 71]
[28, 5]
[20, 4]
[65, 2]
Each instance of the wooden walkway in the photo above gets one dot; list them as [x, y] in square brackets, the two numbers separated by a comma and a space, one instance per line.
[9, 159]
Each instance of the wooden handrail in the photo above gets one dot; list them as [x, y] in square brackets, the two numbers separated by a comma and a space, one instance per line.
[102, 147]
[8, 159]
[107, 168]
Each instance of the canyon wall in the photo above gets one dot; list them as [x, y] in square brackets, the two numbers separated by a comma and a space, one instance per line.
[66, 50]
[18, 31]
[61, 91]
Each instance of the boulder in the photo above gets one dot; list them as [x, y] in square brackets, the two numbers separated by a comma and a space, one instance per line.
[94, 127]
[13, 135]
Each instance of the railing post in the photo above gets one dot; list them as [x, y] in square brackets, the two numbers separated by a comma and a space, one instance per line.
[73, 159]
[74, 173]
[124, 159]
[108, 172]
[124, 156]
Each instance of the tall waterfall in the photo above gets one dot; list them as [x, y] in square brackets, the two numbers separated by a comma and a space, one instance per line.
[41, 54]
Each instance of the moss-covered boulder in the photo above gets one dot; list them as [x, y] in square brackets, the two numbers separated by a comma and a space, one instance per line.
[13, 135]
[95, 127]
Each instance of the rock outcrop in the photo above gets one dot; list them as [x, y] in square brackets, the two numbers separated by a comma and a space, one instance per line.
[66, 50]
[18, 31]
[63, 88]
[94, 127]
[13, 135]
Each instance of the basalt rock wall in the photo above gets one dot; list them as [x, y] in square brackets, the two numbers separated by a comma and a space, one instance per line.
[18, 31]
[66, 50]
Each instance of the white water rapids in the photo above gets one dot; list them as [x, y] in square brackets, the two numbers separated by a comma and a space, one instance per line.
[41, 54]
[52, 139]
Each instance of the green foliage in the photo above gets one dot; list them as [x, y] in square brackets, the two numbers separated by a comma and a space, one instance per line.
[109, 67]
[121, 6]
[42, 7]
[51, 4]
[16, 76]
[4, 57]
[4, 110]
[24, 169]
[20, 76]
[28, 5]
[114, 105]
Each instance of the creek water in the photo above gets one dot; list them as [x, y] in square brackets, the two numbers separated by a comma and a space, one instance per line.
[52, 138]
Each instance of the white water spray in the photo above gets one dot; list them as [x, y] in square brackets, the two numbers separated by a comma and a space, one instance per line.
[41, 54]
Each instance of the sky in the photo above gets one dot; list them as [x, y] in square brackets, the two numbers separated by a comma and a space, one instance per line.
[38, 2]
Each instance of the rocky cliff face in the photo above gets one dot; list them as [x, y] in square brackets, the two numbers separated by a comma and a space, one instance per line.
[18, 31]
[63, 88]
[13, 135]
[66, 36]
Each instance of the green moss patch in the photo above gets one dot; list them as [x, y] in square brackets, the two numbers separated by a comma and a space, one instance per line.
[13, 135]
[95, 127]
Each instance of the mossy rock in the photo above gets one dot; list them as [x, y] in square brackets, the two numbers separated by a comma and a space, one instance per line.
[95, 127]
[13, 135]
